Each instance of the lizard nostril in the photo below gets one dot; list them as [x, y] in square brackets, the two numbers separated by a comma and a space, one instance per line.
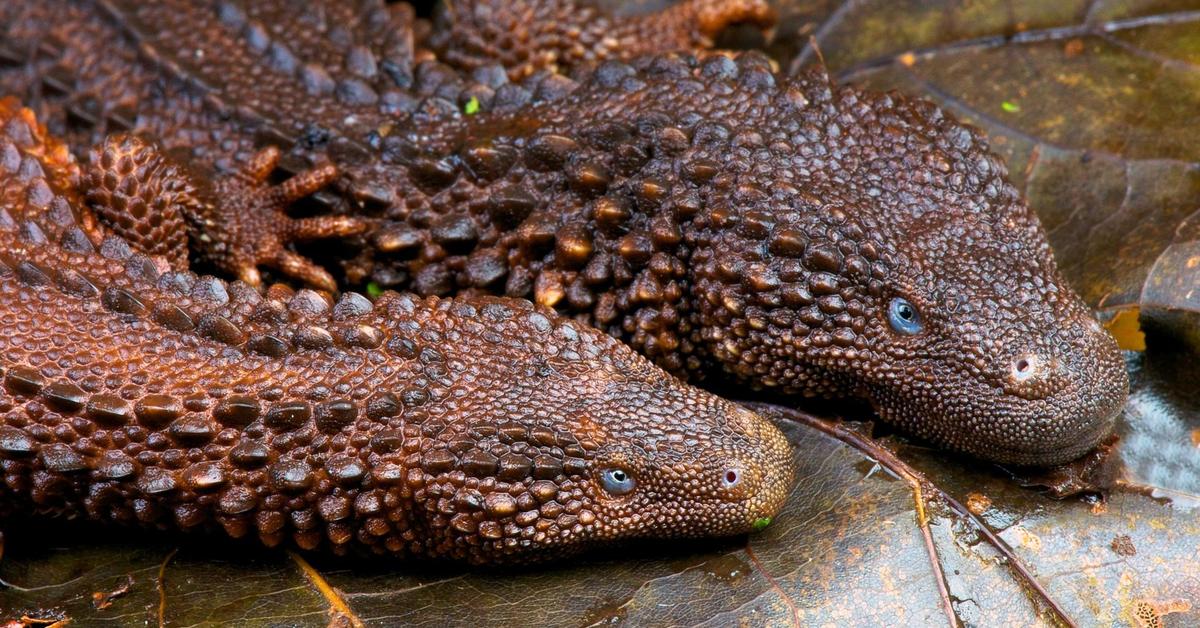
[732, 478]
[1032, 376]
[1024, 367]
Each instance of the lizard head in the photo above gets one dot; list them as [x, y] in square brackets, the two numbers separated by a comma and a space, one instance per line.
[681, 463]
[572, 440]
[871, 246]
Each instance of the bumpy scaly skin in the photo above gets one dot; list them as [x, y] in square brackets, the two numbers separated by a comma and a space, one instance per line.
[709, 212]
[361, 57]
[529, 35]
[472, 429]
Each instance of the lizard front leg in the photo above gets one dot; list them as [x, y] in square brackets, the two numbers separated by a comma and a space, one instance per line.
[237, 221]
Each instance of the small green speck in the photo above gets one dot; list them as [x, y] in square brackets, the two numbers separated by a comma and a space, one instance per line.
[374, 290]
[472, 106]
[761, 523]
[1010, 106]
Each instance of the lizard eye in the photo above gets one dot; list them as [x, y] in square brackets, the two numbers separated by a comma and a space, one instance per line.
[617, 481]
[904, 317]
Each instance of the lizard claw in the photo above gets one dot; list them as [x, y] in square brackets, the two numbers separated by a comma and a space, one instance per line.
[297, 265]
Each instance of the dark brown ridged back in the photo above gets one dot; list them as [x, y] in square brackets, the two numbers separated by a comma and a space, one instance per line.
[475, 429]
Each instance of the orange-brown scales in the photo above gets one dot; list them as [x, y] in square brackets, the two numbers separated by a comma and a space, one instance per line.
[481, 429]
[710, 212]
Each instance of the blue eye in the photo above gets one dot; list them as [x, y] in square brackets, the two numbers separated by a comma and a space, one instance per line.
[617, 481]
[904, 317]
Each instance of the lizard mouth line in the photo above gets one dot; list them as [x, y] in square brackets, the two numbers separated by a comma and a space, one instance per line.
[1063, 449]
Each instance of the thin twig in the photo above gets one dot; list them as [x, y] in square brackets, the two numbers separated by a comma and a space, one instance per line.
[337, 605]
[787, 599]
[921, 486]
[162, 588]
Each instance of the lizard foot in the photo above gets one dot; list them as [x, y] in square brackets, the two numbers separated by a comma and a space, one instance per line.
[251, 228]
[238, 222]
